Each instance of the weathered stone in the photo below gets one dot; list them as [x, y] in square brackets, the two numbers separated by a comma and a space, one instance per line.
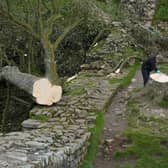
[32, 124]
[3, 164]
[36, 145]
[17, 156]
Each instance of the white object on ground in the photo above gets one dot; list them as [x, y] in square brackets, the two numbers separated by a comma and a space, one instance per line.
[71, 78]
[95, 45]
[133, 80]
[159, 77]
[46, 93]
[117, 71]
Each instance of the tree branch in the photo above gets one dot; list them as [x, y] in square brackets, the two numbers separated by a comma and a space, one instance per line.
[98, 37]
[23, 25]
[66, 31]
[50, 22]
[8, 5]
[5, 109]
[20, 100]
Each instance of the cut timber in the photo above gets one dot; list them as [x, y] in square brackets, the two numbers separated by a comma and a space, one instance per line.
[45, 93]
[159, 77]
[41, 89]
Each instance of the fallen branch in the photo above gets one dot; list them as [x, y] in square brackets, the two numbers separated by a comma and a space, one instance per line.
[20, 100]
[121, 64]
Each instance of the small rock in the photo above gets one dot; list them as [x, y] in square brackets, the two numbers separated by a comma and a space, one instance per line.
[36, 145]
[118, 112]
[162, 115]
[109, 141]
[31, 124]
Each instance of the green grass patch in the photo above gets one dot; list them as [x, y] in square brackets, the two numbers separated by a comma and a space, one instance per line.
[76, 92]
[112, 8]
[86, 75]
[163, 68]
[163, 104]
[116, 34]
[124, 82]
[148, 151]
[40, 117]
[114, 80]
[147, 139]
[127, 79]
[94, 141]
[161, 11]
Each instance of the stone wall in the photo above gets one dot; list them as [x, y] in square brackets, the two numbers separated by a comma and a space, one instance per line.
[140, 10]
[58, 136]
[163, 27]
[62, 139]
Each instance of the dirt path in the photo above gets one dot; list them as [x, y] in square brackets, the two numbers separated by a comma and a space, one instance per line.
[115, 124]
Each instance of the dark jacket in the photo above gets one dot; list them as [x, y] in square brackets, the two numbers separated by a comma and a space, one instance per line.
[150, 64]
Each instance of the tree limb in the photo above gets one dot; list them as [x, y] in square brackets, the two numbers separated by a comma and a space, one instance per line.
[20, 100]
[128, 59]
[98, 37]
[22, 24]
[66, 31]
[5, 109]
[50, 22]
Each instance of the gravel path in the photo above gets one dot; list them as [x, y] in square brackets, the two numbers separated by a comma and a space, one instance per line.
[115, 124]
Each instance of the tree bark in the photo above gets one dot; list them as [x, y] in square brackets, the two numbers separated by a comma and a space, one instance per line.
[40, 88]
[17, 78]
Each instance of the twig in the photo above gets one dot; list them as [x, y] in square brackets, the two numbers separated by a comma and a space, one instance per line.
[128, 59]
[20, 100]
[5, 109]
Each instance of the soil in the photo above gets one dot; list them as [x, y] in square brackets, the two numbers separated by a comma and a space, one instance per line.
[115, 124]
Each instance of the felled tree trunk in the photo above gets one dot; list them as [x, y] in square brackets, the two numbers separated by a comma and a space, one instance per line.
[40, 88]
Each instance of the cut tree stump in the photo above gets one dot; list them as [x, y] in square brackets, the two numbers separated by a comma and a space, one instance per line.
[41, 89]
[159, 77]
[156, 92]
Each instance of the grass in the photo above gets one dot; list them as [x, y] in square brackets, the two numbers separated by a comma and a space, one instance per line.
[163, 104]
[112, 8]
[148, 150]
[124, 82]
[163, 68]
[76, 92]
[94, 141]
[127, 79]
[75, 88]
[162, 11]
[40, 117]
[147, 137]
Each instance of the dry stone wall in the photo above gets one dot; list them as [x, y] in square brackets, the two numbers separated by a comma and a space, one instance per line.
[58, 136]
[62, 140]
[140, 10]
